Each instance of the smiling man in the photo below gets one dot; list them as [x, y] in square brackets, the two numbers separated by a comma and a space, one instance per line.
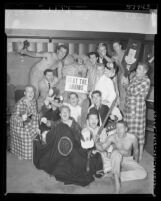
[121, 157]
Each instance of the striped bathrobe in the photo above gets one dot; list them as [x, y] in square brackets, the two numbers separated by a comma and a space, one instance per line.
[135, 107]
[21, 133]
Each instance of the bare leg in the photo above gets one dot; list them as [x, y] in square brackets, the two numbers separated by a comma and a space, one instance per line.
[117, 183]
[116, 159]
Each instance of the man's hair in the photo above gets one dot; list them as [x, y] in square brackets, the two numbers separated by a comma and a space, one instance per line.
[64, 106]
[48, 70]
[120, 43]
[64, 47]
[92, 53]
[30, 86]
[92, 111]
[96, 92]
[101, 44]
[117, 41]
[122, 122]
[145, 65]
[73, 93]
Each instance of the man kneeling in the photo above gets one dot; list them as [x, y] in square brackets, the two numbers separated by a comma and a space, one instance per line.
[121, 157]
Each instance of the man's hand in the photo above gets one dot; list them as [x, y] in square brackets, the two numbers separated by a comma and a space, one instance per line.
[44, 120]
[112, 117]
[38, 131]
[24, 117]
[124, 80]
[48, 123]
[44, 136]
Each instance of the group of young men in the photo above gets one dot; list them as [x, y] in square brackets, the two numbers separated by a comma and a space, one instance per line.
[121, 149]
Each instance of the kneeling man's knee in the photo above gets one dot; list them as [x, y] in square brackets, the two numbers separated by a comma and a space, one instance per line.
[116, 155]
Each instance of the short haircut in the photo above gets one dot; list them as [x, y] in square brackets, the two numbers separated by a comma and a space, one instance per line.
[64, 106]
[92, 53]
[64, 47]
[92, 111]
[74, 93]
[48, 70]
[101, 44]
[145, 65]
[117, 41]
[123, 44]
[29, 86]
[121, 122]
[96, 92]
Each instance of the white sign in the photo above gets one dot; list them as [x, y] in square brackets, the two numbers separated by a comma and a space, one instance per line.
[76, 84]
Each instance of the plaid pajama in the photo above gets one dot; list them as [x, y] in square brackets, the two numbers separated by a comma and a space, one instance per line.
[135, 107]
[22, 135]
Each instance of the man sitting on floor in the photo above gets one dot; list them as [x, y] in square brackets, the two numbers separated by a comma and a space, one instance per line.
[121, 158]
[59, 152]
[89, 136]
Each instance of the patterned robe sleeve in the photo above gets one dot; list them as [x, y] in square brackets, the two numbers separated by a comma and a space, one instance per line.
[16, 115]
[33, 125]
[141, 88]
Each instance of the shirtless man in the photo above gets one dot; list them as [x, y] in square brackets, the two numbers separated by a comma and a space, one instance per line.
[50, 60]
[121, 157]
[121, 79]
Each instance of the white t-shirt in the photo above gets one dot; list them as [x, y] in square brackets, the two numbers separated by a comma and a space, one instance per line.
[75, 112]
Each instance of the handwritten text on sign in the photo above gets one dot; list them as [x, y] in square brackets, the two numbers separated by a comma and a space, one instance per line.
[76, 84]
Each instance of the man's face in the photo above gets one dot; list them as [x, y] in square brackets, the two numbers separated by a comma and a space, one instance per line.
[93, 59]
[140, 71]
[61, 53]
[93, 121]
[96, 98]
[29, 93]
[116, 47]
[49, 76]
[102, 50]
[65, 114]
[120, 129]
[73, 100]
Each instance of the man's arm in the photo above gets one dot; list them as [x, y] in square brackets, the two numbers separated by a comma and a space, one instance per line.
[104, 146]
[41, 91]
[34, 54]
[60, 67]
[135, 149]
